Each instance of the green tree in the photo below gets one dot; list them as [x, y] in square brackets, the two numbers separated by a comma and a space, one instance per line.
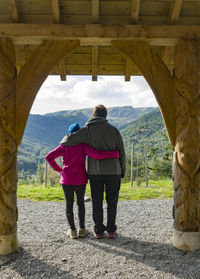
[40, 173]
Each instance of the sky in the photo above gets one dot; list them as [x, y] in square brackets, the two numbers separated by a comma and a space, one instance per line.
[80, 92]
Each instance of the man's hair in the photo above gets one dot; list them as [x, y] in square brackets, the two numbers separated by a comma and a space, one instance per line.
[100, 110]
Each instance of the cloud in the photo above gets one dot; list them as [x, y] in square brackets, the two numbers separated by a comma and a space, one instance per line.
[81, 92]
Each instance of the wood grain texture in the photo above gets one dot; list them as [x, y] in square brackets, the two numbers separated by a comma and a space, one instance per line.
[8, 147]
[157, 76]
[14, 10]
[187, 148]
[95, 11]
[55, 10]
[94, 63]
[135, 8]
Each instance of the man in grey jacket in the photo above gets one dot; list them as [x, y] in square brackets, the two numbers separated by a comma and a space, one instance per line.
[103, 174]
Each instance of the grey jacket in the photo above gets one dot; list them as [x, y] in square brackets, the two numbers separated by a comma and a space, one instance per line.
[99, 134]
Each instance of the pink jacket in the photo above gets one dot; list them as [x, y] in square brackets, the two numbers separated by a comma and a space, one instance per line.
[74, 171]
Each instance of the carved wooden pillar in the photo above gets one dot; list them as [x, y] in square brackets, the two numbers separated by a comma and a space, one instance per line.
[187, 146]
[17, 94]
[179, 101]
[8, 148]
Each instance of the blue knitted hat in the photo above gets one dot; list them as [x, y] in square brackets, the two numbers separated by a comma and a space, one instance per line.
[73, 128]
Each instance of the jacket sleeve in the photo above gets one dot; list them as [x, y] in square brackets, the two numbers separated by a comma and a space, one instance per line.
[52, 155]
[81, 136]
[98, 154]
[122, 156]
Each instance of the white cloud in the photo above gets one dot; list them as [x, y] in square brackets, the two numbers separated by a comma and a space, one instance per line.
[81, 92]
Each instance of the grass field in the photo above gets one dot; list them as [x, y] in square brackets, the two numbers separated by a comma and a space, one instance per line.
[161, 189]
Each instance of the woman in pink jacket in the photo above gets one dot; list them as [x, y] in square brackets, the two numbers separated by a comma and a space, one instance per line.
[74, 177]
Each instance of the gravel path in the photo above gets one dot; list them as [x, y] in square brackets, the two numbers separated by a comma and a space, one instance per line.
[142, 250]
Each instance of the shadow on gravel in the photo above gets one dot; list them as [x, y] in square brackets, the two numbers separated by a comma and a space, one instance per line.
[161, 257]
[28, 266]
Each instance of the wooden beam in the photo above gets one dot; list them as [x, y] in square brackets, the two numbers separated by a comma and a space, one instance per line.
[174, 14]
[62, 70]
[162, 35]
[8, 149]
[33, 74]
[56, 19]
[95, 11]
[128, 69]
[55, 10]
[158, 77]
[94, 63]
[14, 10]
[135, 8]
[175, 10]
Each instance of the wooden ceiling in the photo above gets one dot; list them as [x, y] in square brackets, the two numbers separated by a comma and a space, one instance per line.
[96, 23]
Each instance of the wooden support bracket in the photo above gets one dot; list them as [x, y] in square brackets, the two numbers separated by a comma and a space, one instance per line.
[158, 77]
[33, 74]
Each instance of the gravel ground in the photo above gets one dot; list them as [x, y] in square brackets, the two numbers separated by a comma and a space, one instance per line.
[142, 249]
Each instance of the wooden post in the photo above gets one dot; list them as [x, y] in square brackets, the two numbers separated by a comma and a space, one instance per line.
[46, 166]
[8, 149]
[17, 94]
[146, 165]
[186, 165]
[132, 164]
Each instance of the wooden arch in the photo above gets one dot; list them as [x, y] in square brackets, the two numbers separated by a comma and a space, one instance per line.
[112, 37]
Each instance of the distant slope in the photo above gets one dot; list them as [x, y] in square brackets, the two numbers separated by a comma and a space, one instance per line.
[44, 132]
[49, 130]
[148, 130]
[118, 116]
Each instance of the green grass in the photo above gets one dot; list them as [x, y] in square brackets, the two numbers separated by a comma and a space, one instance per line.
[161, 189]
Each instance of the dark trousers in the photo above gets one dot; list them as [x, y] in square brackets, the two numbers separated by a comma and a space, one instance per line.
[69, 197]
[111, 186]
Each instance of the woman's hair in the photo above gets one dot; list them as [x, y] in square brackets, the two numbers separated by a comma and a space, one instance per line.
[100, 110]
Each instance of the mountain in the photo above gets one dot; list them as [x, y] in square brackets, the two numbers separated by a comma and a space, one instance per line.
[117, 116]
[44, 132]
[148, 129]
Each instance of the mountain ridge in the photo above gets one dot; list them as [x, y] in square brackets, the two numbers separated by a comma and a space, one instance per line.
[44, 132]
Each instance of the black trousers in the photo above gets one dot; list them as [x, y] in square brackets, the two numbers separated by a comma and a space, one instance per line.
[111, 186]
[69, 197]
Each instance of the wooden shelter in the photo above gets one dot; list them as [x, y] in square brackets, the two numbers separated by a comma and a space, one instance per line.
[159, 39]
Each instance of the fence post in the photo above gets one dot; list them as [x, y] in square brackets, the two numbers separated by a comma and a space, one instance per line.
[146, 167]
[132, 166]
[45, 173]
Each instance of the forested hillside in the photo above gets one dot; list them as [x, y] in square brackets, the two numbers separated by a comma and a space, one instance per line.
[148, 129]
[44, 132]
